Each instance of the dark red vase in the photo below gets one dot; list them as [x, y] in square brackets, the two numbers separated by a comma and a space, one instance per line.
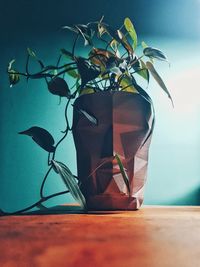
[123, 126]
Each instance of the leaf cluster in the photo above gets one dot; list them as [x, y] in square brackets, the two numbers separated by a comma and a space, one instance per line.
[111, 63]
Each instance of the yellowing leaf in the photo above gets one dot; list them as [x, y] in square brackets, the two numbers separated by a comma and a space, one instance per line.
[144, 45]
[131, 30]
[87, 90]
[127, 85]
[101, 29]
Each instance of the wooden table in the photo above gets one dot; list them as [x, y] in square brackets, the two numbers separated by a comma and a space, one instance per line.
[151, 237]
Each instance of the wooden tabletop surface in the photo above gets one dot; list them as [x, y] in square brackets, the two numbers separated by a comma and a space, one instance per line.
[153, 236]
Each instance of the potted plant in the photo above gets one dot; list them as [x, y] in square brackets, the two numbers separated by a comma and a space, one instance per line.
[113, 116]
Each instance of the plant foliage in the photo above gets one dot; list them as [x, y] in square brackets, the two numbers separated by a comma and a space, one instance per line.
[110, 64]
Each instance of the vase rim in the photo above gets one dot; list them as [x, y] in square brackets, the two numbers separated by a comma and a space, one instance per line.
[109, 92]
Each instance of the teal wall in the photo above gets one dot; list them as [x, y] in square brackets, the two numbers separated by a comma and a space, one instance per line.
[174, 169]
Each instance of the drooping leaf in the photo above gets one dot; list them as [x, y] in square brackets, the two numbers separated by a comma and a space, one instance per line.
[154, 53]
[31, 52]
[123, 172]
[86, 32]
[71, 28]
[70, 181]
[42, 137]
[66, 53]
[58, 86]
[87, 70]
[158, 79]
[131, 30]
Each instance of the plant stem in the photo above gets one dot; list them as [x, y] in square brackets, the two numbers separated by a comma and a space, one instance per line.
[64, 71]
[74, 45]
[43, 182]
[43, 199]
[27, 63]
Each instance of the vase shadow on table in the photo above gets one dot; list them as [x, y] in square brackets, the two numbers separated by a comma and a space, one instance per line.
[69, 209]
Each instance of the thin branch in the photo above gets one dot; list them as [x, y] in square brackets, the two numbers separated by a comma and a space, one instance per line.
[74, 44]
[2, 213]
[44, 180]
[27, 63]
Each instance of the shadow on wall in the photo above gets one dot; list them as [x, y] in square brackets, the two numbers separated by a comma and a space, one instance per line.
[192, 198]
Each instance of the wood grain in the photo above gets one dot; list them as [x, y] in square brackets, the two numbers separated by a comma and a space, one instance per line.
[149, 237]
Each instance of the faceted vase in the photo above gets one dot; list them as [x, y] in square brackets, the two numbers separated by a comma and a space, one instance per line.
[122, 126]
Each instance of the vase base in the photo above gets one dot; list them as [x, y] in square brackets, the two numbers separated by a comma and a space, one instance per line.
[112, 202]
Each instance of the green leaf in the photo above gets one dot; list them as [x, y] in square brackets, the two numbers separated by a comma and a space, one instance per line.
[158, 79]
[31, 52]
[87, 70]
[86, 33]
[131, 30]
[144, 71]
[70, 181]
[42, 137]
[126, 84]
[116, 35]
[73, 74]
[154, 53]
[58, 86]
[124, 175]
